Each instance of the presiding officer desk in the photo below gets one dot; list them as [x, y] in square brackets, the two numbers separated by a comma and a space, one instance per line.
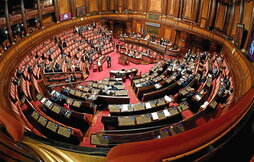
[163, 50]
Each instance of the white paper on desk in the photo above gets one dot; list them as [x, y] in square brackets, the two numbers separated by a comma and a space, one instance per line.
[168, 99]
[125, 108]
[198, 97]
[53, 92]
[148, 105]
[155, 116]
[43, 100]
[157, 86]
[166, 112]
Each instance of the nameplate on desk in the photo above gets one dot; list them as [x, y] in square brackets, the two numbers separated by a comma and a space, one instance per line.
[148, 105]
[155, 116]
[35, 115]
[52, 126]
[166, 112]
[69, 101]
[72, 91]
[66, 132]
[56, 109]
[188, 88]
[125, 108]
[42, 120]
[168, 99]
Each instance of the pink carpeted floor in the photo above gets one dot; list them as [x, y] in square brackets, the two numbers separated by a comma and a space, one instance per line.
[97, 125]
[115, 66]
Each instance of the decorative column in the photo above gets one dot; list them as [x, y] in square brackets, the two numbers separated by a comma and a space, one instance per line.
[8, 21]
[40, 12]
[23, 16]
[240, 21]
[73, 8]
[56, 10]
[213, 9]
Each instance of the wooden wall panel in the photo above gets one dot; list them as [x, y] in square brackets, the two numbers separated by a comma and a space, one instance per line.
[173, 8]
[138, 27]
[112, 5]
[182, 39]
[248, 20]
[247, 16]
[120, 2]
[80, 3]
[141, 5]
[104, 5]
[170, 7]
[236, 19]
[121, 5]
[220, 17]
[205, 9]
[130, 4]
[204, 13]
[155, 6]
[188, 9]
[93, 5]
[64, 6]
[167, 33]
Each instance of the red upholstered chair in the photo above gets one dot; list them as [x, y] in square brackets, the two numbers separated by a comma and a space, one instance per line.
[95, 66]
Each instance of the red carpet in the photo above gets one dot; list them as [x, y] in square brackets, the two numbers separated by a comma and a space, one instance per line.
[97, 125]
[131, 94]
[115, 66]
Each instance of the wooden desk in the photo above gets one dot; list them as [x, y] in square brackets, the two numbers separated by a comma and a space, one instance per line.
[66, 132]
[99, 139]
[138, 107]
[126, 121]
[114, 108]
[143, 119]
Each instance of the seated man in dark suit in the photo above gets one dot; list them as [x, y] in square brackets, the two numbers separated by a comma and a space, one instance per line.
[47, 69]
[101, 92]
[57, 68]
[108, 61]
[113, 87]
[215, 71]
[188, 96]
[73, 78]
[66, 91]
[117, 47]
[30, 69]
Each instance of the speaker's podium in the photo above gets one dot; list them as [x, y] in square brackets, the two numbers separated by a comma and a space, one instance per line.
[122, 60]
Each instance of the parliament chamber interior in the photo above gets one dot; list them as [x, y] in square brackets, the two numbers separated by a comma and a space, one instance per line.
[125, 80]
